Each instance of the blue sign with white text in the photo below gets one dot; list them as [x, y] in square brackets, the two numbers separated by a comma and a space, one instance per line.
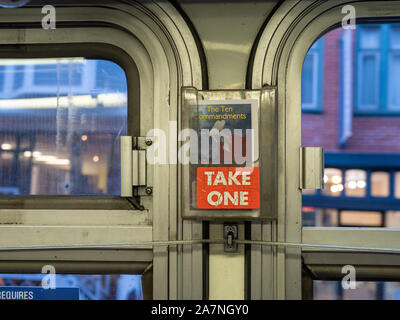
[38, 293]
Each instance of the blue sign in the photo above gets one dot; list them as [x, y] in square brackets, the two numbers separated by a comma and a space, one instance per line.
[38, 293]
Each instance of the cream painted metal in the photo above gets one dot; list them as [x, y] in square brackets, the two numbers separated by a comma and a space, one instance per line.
[226, 269]
[278, 60]
[227, 31]
[158, 39]
[127, 168]
[311, 168]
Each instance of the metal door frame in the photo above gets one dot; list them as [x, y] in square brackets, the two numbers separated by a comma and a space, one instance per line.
[277, 61]
[163, 47]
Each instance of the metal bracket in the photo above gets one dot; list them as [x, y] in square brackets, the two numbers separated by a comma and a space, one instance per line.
[230, 235]
[134, 166]
[311, 168]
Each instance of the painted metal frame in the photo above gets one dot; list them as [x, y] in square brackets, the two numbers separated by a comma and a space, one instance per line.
[158, 39]
[277, 60]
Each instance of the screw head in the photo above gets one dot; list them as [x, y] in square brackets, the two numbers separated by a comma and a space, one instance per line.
[149, 190]
[149, 142]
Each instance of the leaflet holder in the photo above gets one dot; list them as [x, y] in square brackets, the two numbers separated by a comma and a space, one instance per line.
[228, 154]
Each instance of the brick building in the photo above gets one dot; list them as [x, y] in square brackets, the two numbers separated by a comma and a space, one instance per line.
[350, 108]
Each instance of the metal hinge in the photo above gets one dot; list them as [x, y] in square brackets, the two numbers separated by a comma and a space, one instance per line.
[134, 171]
[311, 168]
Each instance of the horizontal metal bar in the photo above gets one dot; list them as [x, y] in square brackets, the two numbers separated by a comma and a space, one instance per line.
[364, 237]
[27, 236]
[47, 217]
[207, 241]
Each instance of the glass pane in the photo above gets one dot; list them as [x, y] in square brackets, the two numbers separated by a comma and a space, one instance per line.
[395, 37]
[2, 77]
[394, 84]
[91, 287]
[368, 79]
[19, 77]
[326, 218]
[60, 127]
[369, 37]
[397, 185]
[380, 184]
[333, 182]
[356, 183]
[392, 219]
[63, 74]
[333, 290]
[361, 219]
[308, 85]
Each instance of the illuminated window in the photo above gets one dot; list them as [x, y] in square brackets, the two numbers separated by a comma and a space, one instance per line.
[397, 185]
[356, 183]
[380, 184]
[333, 182]
[360, 218]
[392, 219]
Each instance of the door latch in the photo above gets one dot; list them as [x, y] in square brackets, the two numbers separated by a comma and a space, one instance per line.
[230, 235]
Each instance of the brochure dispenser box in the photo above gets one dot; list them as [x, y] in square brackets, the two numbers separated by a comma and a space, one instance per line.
[228, 154]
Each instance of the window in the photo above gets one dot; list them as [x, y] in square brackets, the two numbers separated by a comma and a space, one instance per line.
[312, 74]
[333, 290]
[2, 77]
[378, 66]
[369, 65]
[19, 71]
[333, 182]
[59, 74]
[363, 198]
[397, 185]
[352, 219]
[59, 135]
[380, 184]
[356, 183]
[87, 287]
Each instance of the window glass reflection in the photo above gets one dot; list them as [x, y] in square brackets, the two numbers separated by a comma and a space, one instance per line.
[91, 287]
[60, 123]
[372, 290]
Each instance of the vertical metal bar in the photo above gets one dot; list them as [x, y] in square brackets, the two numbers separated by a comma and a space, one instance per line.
[142, 168]
[126, 166]
[256, 263]
[135, 167]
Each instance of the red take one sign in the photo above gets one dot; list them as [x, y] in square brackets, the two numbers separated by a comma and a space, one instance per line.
[228, 188]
